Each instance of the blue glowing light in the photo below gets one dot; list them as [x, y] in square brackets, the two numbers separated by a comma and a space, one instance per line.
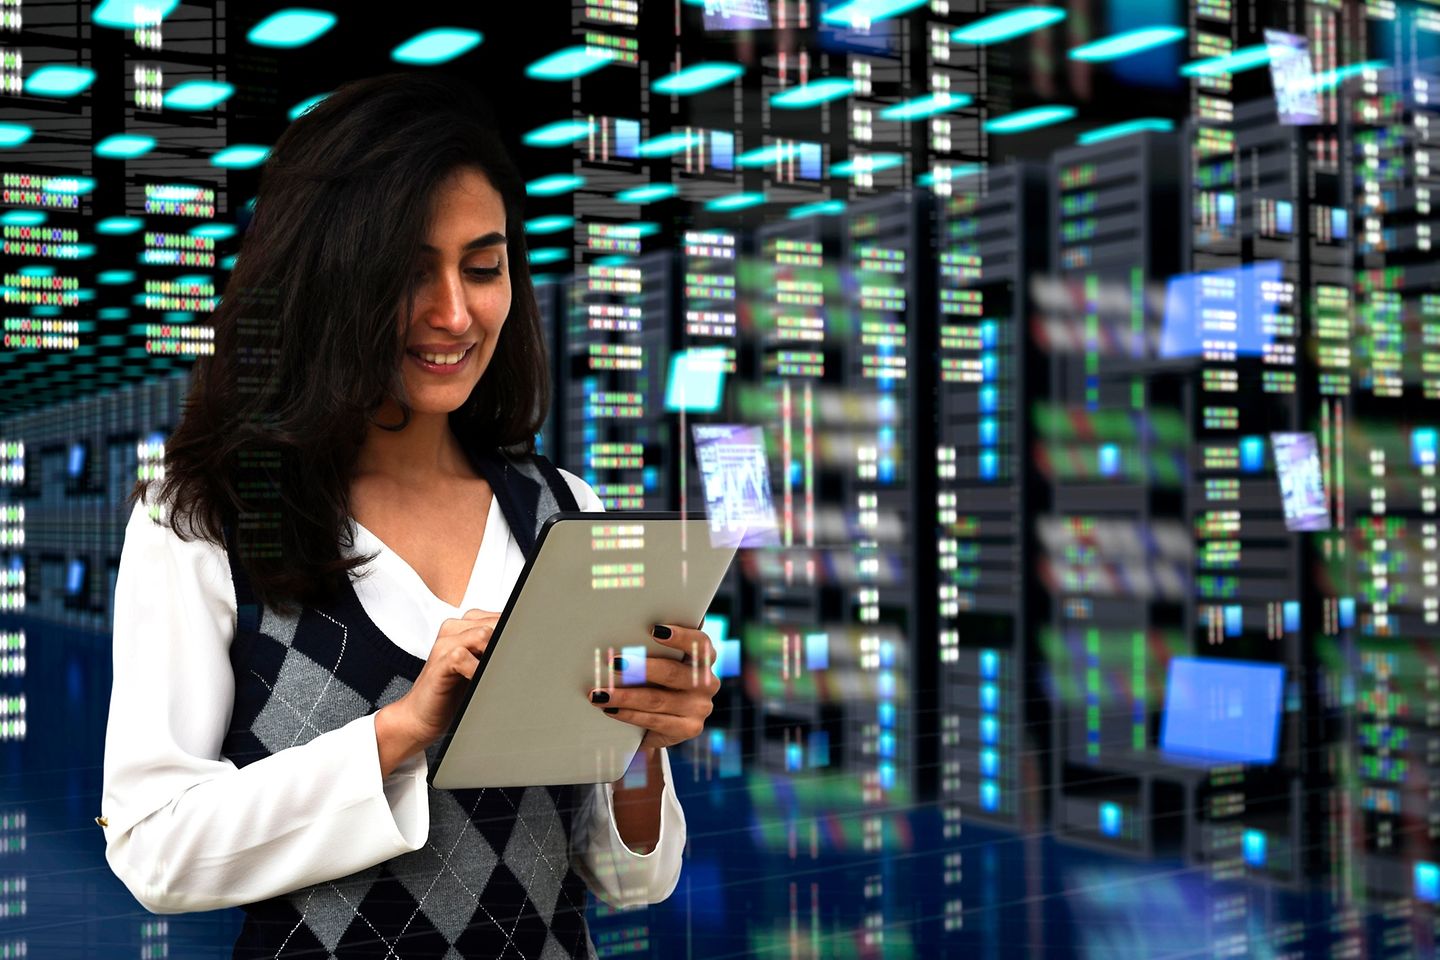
[437, 45]
[813, 93]
[649, 193]
[122, 14]
[119, 225]
[824, 208]
[694, 79]
[1222, 710]
[927, 106]
[14, 134]
[735, 201]
[198, 94]
[558, 134]
[697, 380]
[551, 224]
[304, 105]
[554, 184]
[569, 63]
[59, 81]
[669, 144]
[866, 163]
[123, 146]
[1246, 58]
[1114, 130]
[1127, 43]
[1004, 26]
[294, 27]
[1029, 119]
[240, 156]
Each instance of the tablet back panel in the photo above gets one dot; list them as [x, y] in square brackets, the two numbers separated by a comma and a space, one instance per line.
[595, 584]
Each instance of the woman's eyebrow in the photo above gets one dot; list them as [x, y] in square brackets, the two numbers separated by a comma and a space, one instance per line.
[488, 240]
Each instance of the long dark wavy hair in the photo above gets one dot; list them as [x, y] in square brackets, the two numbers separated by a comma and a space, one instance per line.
[310, 332]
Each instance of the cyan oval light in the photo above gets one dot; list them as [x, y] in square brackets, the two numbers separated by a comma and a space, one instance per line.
[1004, 26]
[558, 134]
[59, 81]
[123, 146]
[14, 134]
[866, 163]
[215, 231]
[948, 174]
[813, 93]
[1127, 44]
[569, 63]
[735, 201]
[649, 193]
[698, 77]
[116, 276]
[293, 27]
[437, 46]
[927, 106]
[23, 218]
[550, 224]
[197, 94]
[119, 225]
[825, 208]
[240, 156]
[121, 14]
[554, 184]
[764, 156]
[548, 255]
[1101, 134]
[37, 270]
[1022, 120]
[306, 104]
[669, 144]
[1246, 58]
[69, 185]
[860, 14]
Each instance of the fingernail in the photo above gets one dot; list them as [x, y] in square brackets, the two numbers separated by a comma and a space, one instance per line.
[599, 696]
[619, 663]
[612, 709]
[660, 632]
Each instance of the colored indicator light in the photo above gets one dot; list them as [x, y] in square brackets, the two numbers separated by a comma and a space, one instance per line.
[554, 184]
[552, 224]
[701, 76]
[812, 94]
[69, 185]
[869, 163]
[123, 146]
[922, 107]
[198, 95]
[1246, 58]
[1101, 134]
[1128, 43]
[736, 201]
[569, 63]
[300, 108]
[669, 144]
[116, 226]
[558, 134]
[294, 27]
[437, 46]
[123, 14]
[858, 14]
[548, 255]
[240, 156]
[58, 81]
[14, 134]
[1029, 119]
[825, 208]
[1004, 26]
[648, 193]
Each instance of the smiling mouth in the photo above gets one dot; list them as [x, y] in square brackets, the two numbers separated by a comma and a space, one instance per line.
[463, 357]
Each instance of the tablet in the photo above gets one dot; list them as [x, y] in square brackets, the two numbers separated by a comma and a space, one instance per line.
[595, 583]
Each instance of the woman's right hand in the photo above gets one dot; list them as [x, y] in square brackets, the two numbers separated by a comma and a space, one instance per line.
[423, 714]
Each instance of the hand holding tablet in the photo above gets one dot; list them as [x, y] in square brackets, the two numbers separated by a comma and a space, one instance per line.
[677, 695]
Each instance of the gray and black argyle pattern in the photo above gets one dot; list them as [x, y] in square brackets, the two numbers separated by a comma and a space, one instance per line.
[493, 879]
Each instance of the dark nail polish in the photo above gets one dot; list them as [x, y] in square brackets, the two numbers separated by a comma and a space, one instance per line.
[612, 709]
[619, 663]
[599, 696]
[660, 632]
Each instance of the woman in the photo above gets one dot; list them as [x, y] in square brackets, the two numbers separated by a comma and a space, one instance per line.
[378, 379]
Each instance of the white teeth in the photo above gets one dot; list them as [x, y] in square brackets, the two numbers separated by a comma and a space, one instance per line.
[443, 359]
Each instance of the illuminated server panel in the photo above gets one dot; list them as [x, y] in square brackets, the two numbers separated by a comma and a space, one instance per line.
[1391, 607]
[988, 251]
[1110, 441]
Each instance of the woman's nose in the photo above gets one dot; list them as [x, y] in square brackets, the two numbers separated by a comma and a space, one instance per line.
[445, 303]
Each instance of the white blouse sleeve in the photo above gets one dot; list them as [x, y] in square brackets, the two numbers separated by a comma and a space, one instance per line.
[186, 829]
[618, 875]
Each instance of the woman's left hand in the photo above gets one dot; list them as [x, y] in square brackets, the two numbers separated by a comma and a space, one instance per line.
[677, 694]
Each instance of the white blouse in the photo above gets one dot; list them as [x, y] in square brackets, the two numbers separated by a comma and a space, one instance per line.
[187, 830]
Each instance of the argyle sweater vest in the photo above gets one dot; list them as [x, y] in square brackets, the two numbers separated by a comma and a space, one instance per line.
[494, 877]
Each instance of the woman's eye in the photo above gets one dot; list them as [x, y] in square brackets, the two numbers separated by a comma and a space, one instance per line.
[484, 273]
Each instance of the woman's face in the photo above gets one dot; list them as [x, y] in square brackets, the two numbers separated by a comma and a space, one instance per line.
[462, 294]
